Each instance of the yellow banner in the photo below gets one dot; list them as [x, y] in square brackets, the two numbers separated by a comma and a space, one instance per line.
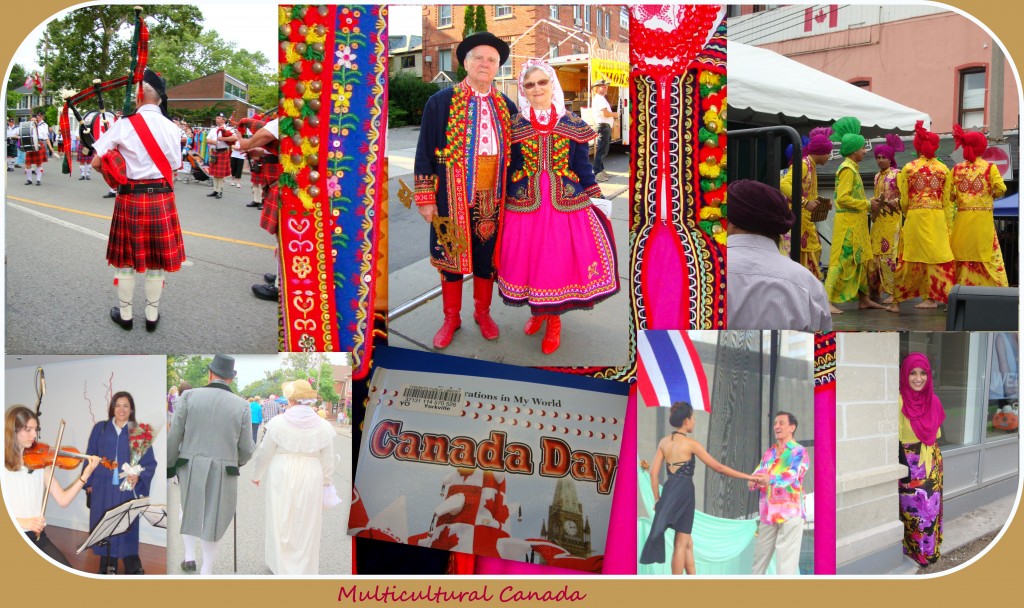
[615, 72]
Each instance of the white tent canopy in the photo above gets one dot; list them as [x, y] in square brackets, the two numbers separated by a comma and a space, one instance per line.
[766, 88]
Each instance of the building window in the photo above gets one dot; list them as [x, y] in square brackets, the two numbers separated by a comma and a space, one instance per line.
[863, 84]
[444, 60]
[554, 12]
[623, 17]
[232, 90]
[552, 50]
[444, 15]
[502, 11]
[587, 10]
[600, 21]
[577, 16]
[1003, 386]
[505, 72]
[972, 98]
[408, 61]
[608, 26]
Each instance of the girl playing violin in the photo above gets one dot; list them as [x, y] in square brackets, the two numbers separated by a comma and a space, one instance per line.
[24, 489]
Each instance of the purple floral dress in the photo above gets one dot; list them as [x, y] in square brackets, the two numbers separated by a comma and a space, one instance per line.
[921, 501]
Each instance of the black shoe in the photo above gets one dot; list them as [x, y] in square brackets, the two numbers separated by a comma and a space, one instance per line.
[28, 182]
[220, 195]
[270, 278]
[115, 316]
[214, 194]
[39, 183]
[265, 292]
[132, 565]
[110, 195]
[189, 566]
[88, 178]
[81, 179]
[151, 325]
[253, 204]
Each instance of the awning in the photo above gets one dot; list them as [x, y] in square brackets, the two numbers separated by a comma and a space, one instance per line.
[1008, 206]
[766, 88]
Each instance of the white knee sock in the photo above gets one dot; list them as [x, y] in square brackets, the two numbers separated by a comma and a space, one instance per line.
[257, 193]
[124, 281]
[154, 286]
[209, 556]
[218, 184]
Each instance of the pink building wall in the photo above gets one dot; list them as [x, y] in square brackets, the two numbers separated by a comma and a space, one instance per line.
[915, 62]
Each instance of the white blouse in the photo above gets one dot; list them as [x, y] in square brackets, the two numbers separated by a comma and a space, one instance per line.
[23, 491]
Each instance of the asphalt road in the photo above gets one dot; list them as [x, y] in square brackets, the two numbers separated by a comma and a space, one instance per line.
[59, 289]
[335, 545]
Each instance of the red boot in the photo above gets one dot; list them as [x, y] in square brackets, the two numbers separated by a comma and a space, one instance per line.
[451, 298]
[533, 324]
[483, 290]
[553, 336]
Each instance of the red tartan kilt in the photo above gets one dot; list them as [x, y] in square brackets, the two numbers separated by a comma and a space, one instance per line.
[269, 173]
[82, 157]
[220, 164]
[36, 157]
[269, 217]
[144, 232]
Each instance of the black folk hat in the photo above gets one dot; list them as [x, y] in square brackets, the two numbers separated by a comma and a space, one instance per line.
[482, 39]
[223, 366]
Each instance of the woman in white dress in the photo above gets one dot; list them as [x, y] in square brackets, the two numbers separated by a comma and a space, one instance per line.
[296, 460]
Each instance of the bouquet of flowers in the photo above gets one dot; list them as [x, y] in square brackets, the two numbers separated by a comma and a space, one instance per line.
[140, 439]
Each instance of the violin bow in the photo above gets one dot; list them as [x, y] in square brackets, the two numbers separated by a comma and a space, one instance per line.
[40, 389]
[49, 482]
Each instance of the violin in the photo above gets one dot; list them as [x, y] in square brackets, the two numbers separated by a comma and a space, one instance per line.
[40, 456]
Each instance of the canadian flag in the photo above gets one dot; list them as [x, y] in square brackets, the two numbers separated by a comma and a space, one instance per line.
[818, 14]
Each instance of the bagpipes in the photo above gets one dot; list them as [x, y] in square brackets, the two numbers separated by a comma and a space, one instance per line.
[247, 127]
[96, 122]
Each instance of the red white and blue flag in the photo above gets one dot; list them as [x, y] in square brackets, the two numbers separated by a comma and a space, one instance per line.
[670, 370]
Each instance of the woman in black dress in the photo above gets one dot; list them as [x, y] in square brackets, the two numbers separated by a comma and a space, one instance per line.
[676, 506]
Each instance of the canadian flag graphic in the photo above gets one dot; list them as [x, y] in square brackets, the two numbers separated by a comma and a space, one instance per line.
[814, 16]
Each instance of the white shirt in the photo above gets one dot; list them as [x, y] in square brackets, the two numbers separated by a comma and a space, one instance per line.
[272, 127]
[600, 103]
[486, 136]
[213, 137]
[43, 133]
[14, 132]
[122, 135]
[770, 291]
[23, 491]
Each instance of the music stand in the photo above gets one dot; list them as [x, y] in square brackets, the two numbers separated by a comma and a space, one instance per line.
[156, 515]
[117, 520]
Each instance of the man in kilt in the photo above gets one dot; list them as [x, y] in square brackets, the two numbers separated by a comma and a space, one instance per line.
[263, 144]
[145, 235]
[84, 156]
[36, 158]
[220, 139]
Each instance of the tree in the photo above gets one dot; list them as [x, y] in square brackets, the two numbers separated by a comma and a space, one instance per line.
[480, 25]
[468, 21]
[16, 80]
[193, 369]
[95, 41]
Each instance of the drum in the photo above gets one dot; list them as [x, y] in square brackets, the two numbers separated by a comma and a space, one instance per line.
[93, 125]
[29, 136]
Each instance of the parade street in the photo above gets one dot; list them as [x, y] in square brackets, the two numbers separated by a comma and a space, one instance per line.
[335, 546]
[599, 337]
[59, 288]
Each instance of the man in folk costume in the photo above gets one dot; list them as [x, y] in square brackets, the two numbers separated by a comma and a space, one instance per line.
[263, 146]
[925, 267]
[84, 155]
[34, 159]
[816, 152]
[13, 134]
[145, 235]
[851, 244]
[976, 185]
[209, 440]
[461, 162]
[220, 139]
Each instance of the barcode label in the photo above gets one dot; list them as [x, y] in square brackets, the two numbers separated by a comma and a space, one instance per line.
[428, 399]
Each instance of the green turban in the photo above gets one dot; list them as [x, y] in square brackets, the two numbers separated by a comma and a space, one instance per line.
[846, 132]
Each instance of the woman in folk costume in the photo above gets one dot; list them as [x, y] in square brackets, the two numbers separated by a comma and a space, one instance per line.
[817, 150]
[296, 460]
[886, 223]
[925, 268]
[851, 245]
[556, 252]
[921, 415]
[976, 184]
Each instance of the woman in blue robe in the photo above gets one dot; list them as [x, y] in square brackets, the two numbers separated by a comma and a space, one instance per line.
[109, 439]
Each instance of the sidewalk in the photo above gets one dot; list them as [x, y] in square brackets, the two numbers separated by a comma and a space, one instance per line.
[596, 337]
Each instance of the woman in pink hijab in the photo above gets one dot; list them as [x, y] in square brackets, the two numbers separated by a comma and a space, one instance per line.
[921, 415]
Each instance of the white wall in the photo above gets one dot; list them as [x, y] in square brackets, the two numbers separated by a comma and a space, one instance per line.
[79, 392]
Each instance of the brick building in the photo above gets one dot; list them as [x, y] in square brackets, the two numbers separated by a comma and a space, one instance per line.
[534, 31]
[218, 91]
[405, 54]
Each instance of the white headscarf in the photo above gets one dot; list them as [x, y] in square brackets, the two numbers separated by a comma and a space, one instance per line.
[557, 97]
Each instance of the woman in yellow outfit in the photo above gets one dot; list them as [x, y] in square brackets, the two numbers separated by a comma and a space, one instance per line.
[886, 224]
[851, 246]
[976, 184]
[925, 268]
[817, 149]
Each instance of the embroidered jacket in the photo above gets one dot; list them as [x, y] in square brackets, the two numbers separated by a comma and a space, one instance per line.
[975, 187]
[563, 153]
[445, 161]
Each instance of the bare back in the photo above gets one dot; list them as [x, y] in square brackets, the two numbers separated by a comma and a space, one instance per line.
[677, 449]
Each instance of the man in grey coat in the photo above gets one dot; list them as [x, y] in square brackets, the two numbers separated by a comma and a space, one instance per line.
[210, 438]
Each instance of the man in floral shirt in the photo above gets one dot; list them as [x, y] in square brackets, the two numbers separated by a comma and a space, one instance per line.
[782, 500]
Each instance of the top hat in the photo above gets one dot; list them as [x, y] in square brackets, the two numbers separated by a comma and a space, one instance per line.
[223, 366]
